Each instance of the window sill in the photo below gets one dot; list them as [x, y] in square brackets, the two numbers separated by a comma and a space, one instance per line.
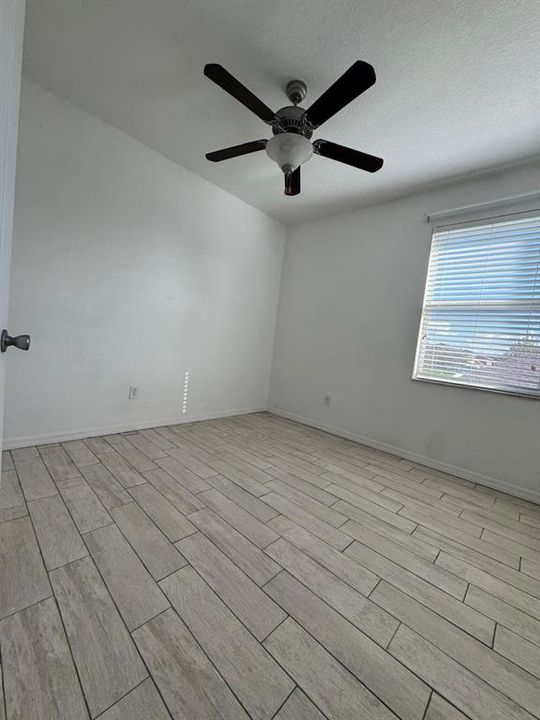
[482, 388]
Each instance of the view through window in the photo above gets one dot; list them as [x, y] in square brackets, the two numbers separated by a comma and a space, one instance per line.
[480, 322]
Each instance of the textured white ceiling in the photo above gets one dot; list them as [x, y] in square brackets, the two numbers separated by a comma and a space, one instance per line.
[457, 84]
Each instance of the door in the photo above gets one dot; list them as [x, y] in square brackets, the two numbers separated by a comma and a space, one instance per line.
[11, 41]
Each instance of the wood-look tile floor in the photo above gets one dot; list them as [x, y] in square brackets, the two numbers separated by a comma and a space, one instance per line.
[252, 567]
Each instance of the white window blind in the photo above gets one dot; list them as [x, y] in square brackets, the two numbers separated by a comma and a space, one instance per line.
[481, 316]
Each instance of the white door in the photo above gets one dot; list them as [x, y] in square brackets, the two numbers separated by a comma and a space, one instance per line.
[11, 41]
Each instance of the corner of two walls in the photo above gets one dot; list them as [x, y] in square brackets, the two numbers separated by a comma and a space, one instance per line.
[130, 270]
[349, 312]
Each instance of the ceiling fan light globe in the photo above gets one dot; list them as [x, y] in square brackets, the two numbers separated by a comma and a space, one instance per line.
[289, 150]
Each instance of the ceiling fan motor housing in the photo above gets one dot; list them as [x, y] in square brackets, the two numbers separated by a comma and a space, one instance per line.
[291, 119]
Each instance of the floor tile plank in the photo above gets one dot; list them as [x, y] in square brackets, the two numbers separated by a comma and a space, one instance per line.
[34, 477]
[237, 476]
[360, 611]
[59, 464]
[299, 707]
[242, 498]
[355, 489]
[294, 461]
[464, 617]
[158, 554]
[105, 485]
[126, 475]
[438, 520]
[135, 593]
[247, 601]
[108, 663]
[458, 685]
[12, 503]
[80, 453]
[169, 520]
[245, 467]
[497, 671]
[2, 703]
[248, 456]
[192, 463]
[142, 703]
[308, 476]
[332, 687]
[518, 650]
[303, 486]
[185, 677]
[99, 446]
[510, 545]
[316, 481]
[188, 479]
[339, 564]
[531, 568]
[7, 460]
[519, 622]
[499, 569]
[59, 539]
[175, 493]
[254, 530]
[23, 578]
[319, 510]
[154, 437]
[129, 452]
[492, 585]
[146, 446]
[84, 505]
[517, 531]
[422, 501]
[257, 680]
[440, 709]
[445, 580]
[355, 528]
[40, 682]
[359, 510]
[249, 558]
[392, 683]
[309, 522]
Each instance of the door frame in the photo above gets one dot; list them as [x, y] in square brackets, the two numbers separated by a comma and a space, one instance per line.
[11, 44]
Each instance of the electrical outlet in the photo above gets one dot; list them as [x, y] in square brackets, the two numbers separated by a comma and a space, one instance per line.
[327, 400]
[133, 392]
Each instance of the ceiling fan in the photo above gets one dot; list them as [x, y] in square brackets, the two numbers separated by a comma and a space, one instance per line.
[293, 126]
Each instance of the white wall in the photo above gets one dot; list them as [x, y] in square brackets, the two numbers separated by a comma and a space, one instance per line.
[128, 269]
[348, 321]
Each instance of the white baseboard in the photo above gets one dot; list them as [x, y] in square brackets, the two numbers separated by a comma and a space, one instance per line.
[64, 435]
[472, 475]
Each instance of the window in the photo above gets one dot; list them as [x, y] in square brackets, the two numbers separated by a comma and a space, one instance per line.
[481, 316]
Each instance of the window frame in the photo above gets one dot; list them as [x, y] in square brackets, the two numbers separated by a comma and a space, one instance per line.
[476, 221]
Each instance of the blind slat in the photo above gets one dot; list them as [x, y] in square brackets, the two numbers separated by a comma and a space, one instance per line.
[481, 315]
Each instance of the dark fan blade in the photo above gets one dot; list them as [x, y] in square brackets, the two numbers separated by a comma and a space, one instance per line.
[234, 87]
[346, 155]
[356, 80]
[236, 150]
[292, 182]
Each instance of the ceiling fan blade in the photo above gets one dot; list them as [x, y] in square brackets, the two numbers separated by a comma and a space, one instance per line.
[354, 81]
[234, 87]
[292, 182]
[236, 151]
[360, 160]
